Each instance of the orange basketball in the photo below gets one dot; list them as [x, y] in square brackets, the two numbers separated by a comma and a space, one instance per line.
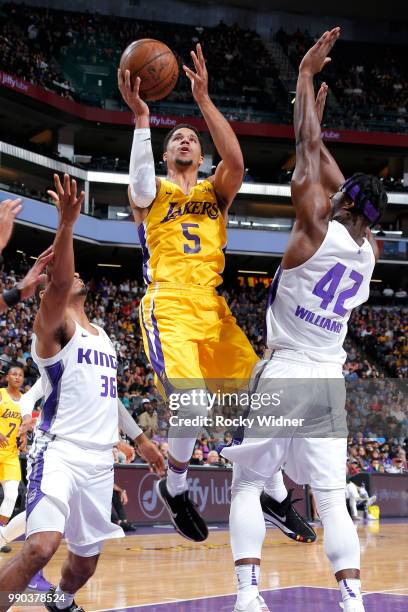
[154, 63]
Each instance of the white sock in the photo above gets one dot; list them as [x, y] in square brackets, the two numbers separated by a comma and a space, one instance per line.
[176, 479]
[65, 601]
[350, 589]
[275, 487]
[247, 582]
[13, 529]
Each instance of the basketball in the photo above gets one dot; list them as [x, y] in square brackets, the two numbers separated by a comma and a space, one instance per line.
[155, 64]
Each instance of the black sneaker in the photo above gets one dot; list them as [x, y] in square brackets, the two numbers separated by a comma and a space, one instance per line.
[183, 513]
[285, 516]
[5, 549]
[53, 608]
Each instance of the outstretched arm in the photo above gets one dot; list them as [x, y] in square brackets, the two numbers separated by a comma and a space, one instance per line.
[308, 195]
[51, 314]
[331, 176]
[230, 171]
[143, 184]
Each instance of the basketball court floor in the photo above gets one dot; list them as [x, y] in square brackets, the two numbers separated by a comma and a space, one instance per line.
[158, 571]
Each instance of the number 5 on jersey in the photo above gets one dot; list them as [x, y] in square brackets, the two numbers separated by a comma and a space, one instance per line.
[193, 241]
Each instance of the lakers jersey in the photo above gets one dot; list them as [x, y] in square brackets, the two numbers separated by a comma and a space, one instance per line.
[10, 421]
[183, 236]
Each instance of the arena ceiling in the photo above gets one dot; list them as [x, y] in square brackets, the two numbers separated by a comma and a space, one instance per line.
[391, 10]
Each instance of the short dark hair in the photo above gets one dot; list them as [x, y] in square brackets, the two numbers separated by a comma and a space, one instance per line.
[178, 127]
[13, 366]
[369, 189]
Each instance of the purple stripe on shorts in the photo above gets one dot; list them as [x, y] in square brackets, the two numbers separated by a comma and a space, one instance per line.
[34, 493]
[157, 363]
[49, 410]
[145, 252]
[157, 342]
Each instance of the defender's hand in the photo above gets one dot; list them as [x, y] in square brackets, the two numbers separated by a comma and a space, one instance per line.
[317, 57]
[66, 200]
[199, 78]
[150, 453]
[35, 276]
[9, 209]
[131, 95]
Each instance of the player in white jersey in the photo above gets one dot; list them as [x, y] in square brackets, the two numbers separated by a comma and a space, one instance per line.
[325, 273]
[71, 462]
[147, 449]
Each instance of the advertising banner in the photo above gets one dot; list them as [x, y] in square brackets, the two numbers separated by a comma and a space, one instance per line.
[210, 489]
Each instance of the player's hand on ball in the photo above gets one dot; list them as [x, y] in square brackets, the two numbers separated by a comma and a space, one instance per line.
[131, 95]
[66, 199]
[151, 454]
[199, 78]
[317, 57]
[321, 100]
[9, 209]
[35, 276]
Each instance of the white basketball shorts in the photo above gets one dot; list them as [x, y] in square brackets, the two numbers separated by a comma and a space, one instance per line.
[79, 483]
[314, 453]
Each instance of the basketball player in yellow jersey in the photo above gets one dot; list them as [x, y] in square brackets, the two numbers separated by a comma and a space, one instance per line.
[189, 333]
[10, 425]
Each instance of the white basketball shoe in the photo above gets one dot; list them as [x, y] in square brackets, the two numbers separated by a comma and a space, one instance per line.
[255, 605]
[352, 605]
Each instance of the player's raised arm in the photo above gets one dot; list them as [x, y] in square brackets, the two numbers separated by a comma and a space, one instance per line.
[143, 184]
[230, 171]
[51, 314]
[331, 177]
[308, 196]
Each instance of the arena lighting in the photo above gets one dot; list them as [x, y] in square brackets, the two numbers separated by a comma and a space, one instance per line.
[21, 252]
[122, 214]
[376, 280]
[32, 257]
[393, 232]
[104, 265]
[252, 272]
[256, 224]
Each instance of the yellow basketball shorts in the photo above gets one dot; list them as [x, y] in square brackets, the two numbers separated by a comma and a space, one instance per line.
[192, 340]
[9, 466]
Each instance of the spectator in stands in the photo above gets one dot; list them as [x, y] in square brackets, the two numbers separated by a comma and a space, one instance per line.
[119, 501]
[397, 464]
[213, 459]
[197, 458]
[148, 418]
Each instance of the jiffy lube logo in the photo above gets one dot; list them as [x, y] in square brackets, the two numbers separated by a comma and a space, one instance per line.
[149, 501]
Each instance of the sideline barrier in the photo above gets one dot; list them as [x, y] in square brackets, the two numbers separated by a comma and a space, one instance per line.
[391, 491]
